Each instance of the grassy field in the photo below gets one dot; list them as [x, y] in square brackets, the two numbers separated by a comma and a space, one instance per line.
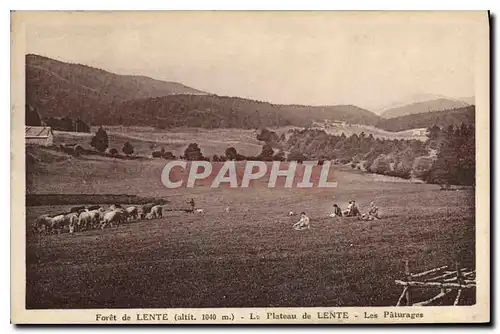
[376, 132]
[211, 141]
[146, 139]
[249, 256]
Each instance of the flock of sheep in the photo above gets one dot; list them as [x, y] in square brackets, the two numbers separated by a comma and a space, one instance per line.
[83, 218]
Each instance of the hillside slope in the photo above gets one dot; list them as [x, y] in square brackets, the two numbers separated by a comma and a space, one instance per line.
[442, 118]
[349, 113]
[424, 106]
[58, 89]
[125, 87]
[212, 111]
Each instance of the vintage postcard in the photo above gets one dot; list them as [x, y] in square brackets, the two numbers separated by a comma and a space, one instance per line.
[260, 167]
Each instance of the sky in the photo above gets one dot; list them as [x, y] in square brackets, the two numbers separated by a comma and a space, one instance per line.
[373, 60]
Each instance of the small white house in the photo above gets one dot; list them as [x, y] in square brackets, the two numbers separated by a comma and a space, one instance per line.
[39, 135]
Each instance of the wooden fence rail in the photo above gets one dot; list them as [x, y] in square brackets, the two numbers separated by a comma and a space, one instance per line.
[447, 281]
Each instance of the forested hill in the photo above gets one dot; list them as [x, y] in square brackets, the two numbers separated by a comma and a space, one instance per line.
[58, 89]
[424, 106]
[64, 90]
[442, 118]
[349, 113]
[212, 111]
[53, 75]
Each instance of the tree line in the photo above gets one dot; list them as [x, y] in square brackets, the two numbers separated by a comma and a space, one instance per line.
[33, 118]
[100, 142]
[442, 118]
[446, 157]
[455, 162]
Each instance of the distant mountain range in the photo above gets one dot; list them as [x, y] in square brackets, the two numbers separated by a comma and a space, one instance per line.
[469, 99]
[441, 118]
[424, 106]
[59, 89]
[99, 97]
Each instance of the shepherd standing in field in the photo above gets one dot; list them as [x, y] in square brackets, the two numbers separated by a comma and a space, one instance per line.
[303, 223]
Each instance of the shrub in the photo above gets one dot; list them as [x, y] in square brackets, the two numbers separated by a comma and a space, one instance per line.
[128, 149]
[78, 150]
[193, 153]
[381, 165]
[168, 155]
[231, 153]
[100, 141]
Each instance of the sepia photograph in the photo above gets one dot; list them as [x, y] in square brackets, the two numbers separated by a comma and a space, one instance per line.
[250, 167]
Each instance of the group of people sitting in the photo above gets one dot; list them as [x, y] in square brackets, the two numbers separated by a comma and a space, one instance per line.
[353, 211]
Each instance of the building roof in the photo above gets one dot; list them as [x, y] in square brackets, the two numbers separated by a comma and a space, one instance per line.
[37, 131]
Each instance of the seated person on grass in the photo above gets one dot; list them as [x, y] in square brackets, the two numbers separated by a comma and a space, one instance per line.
[352, 210]
[303, 223]
[373, 212]
[337, 212]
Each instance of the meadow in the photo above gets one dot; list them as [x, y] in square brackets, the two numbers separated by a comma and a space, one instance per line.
[146, 139]
[249, 256]
[211, 141]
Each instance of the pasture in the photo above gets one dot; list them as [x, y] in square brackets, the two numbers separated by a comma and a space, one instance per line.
[146, 139]
[211, 141]
[418, 133]
[249, 256]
